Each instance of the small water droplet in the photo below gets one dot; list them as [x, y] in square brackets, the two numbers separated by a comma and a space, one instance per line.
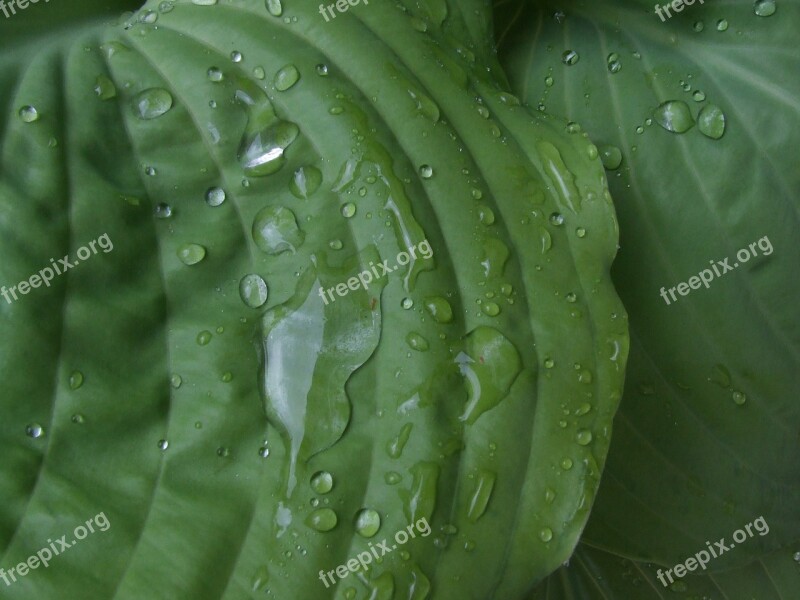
[150, 171]
[78, 419]
[166, 6]
[274, 7]
[215, 75]
[176, 381]
[612, 61]
[204, 338]
[417, 342]
[253, 290]
[491, 309]
[698, 26]
[570, 57]
[75, 380]
[349, 210]
[549, 363]
[335, 244]
[34, 430]
[407, 303]
[426, 172]
[263, 452]
[322, 519]
[223, 452]
[368, 522]
[699, 96]
[546, 534]
[722, 25]
[571, 297]
[611, 157]
[711, 121]
[191, 254]
[104, 88]
[566, 464]
[148, 17]
[739, 398]
[392, 478]
[152, 103]
[548, 81]
[215, 196]
[28, 114]
[583, 437]
[305, 181]
[322, 70]
[557, 218]
[286, 77]
[162, 210]
[236, 56]
[764, 8]
[674, 116]
[163, 445]
[573, 127]
[322, 482]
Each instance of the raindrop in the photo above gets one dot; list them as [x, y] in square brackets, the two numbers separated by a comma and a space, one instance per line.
[739, 398]
[407, 303]
[546, 534]
[259, 73]
[215, 75]
[584, 437]
[349, 210]
[215, 196]
[711, 121]
[286, 77]
[263, 452]
[163, 445]
[491, 309]
[674, 116]
[162, 210]
[426, 172]
[368, 522]
[34, 430]
[152, 103]
[28, 114]
[322, 70]
[612, 61]
[148, 17]
[570, 57]
[322, 482]
[557, 218]
[764, 8]
[322, 519]
[236, 56]
[722, 25]
[274, 7]
[78, 419]
[611, 156]
[191, 254]
[275, 230]
[166, 6]
[566, 464]
[305, 182]
[253, 290]
[203, 338]
[104, 88]
[75, 380]
[580, 232]
[176, 381]
[698, 96]
[417, 342]
[439, 309]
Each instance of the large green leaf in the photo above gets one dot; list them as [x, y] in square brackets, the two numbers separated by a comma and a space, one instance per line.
[707, 436]
[474, 387]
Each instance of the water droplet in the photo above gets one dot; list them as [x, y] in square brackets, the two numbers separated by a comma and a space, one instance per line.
[204, 2]
[483, 111]
[148, 17]
[796, 557]
[322, 482]
[191, 254]
[573, 127]
[305, 182]
[439, 309]
[764, 8]
[611, 156]
[549, 363]
[426, 172]
[227, 377]
[322, 70]
[570, 57]
[566, 464]
[166, 6]
[392, 478]
[104, 88]
[583, 409]
[335, 244]
[204, 338]
[639, 129]
[162, 210]
[722, 25]
[152, 103]
[274, 7]
[699, 96]
[711, 121]
[546, 534]
[75, 380]
[548, 81]
[349, 210]
[368, 522]
[698, 26]
[215, 75]
[612, 61]
[407, 303]
[263, 452]
[275, 230]
[163, 445]
[286, 77]
[583, 437]
[549, 495]
[571, 297]
[674, 116]
[215, 196]
[739, 398]
[223, 452]
[491, 309]
[557, 218]
[236, 56]
[395, 446]
[417, 342]
[176, 381]
[481, 496]
[580, 232]
[34, 430]
[28, 114]
[150, 171]
[253, 290]
[78, 419]
[322, 519]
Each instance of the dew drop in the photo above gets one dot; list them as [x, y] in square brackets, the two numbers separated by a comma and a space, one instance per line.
[549, 363]
[566, 464]
[612, 61]
[570, 57]
[349, 210]
[253, 290]
[274, 7]
[162, 210]
[322, 482]
[392, 478]
[674, 116]
[275, 230]
[191, 254]
[491, 309]
[584, 437]
[104, 88]
[152, 103]
[78, 419]
[286, 77]
[166, 6]
[176, 381]
[148, 17]
[215, 75]
[305, 181]
[163, 445]
[322, 519]
[722, 25]
[236, 56]
[34, 430]
[215, 196]
[417, 342]
[611, 156]
[548, 81]
[28, 114]
[203, 338]
[764, 8]
[439, 309]
[367, 523]
[546, 534]
[322, 70]
[407, 303]
[75, 380]
[739, 398]
[263, 452]
[711, 121]
[557, 218]
[580, 232]
[698, 26]
[699, 96]
[426, 172]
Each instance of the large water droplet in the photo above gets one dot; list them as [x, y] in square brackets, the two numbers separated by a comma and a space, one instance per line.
[34, 430]
[28, 114]
[420, 501]
[368, 522]
[480, 497]
[253, 290]
[191, 254]
[439, 309]
[274, 7]
[152, 103]
[764, 8]
[322, 482]
[570, 57]
[711, 121]
[215, 196]
[722, 25]
[349, 210]
[584, 437]
[417, 342]
[286, 77]
[674, 115]
[275, 230]
[305, 182]
[322, 519]
[611, 156]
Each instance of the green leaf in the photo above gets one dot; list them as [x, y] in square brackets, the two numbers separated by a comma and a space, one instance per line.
[706, 438]
[223, 384]
[593, 573]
